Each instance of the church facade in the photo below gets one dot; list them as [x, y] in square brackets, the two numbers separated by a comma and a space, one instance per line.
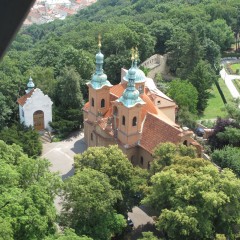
[35, 108]
[133, 114]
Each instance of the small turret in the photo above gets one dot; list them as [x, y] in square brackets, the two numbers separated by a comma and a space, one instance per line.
[30, 85]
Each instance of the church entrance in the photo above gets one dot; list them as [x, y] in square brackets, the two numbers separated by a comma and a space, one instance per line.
[38, 120]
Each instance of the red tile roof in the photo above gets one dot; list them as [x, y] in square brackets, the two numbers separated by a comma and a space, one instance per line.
[117, 90]
[22, 100]
[156, 131]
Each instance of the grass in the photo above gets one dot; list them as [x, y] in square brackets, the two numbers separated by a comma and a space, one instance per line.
[234, 67]
[236, 83]
[215, 104]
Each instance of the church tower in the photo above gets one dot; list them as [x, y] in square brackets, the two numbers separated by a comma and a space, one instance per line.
[128, 109]
[99, 97]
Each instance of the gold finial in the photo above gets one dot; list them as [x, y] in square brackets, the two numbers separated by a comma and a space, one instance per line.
[99, 41]
[133, 53]
[136, 53]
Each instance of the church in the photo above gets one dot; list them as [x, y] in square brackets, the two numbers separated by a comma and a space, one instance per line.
[133, 114]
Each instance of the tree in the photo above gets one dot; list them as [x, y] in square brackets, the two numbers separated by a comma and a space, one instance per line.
[5, 112]
[68, 234]
[184, 93]
[164, 154]
[88, 205]
[27, 191]
[25, 137]
[195, 200]
[68, 102]
[112, 162]
[148, 236]
[202, 78]
[226, 132]
[228, 157]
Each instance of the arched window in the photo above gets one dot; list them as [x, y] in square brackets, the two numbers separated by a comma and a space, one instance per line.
[185, 143]
[102, 103]
[148, 165]
[141, 161]
[92, 136]
[134, 121]
[115, 111]
[123, 120]
[92, 102]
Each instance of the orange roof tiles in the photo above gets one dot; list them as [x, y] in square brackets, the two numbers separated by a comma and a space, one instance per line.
[22, 100]
[148, 107]
[86, 106]
[156, 131]
[117, 90]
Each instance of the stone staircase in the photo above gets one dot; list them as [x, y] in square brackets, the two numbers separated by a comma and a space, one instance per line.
[45, 136]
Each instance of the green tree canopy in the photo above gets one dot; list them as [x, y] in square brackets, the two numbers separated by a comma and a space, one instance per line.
[88, 205]
[27, 191]
[195, 200]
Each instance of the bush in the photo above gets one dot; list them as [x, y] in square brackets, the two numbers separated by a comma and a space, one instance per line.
[25, 137]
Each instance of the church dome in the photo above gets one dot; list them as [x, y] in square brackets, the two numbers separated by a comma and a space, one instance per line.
[99, 57]
[30, 83]
[139, 75]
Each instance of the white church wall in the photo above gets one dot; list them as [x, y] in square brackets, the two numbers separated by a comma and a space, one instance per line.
[38, 101]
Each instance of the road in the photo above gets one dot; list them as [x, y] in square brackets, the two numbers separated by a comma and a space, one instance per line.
[60, 154]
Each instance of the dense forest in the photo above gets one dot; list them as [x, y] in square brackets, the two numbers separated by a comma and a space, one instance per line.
[60, 56]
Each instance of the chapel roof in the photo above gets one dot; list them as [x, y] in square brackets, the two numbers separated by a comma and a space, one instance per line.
[22, 100]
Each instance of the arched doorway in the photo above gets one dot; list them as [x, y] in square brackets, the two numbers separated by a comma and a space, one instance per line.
[38, 120]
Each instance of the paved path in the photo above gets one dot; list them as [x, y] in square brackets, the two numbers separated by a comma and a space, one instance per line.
[228, 79]
[60, 154]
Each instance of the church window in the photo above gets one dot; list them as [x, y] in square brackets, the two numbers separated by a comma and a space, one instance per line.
[92, 102]
[22, 113]
[115, 111]
[102, 103]
[185, 143]
[141, 161]
[92, 136]
[134, 121]
[158, 102]
[140, 89]
[148, 165]
[123, 120]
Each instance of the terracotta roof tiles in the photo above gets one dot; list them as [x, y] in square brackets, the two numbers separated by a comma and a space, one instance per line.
[156, 131]
[22, 100]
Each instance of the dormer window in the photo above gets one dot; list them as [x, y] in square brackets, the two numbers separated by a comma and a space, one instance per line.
[102, 103]
[134, 121]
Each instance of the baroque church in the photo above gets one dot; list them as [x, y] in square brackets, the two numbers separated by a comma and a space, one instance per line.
[133, 114]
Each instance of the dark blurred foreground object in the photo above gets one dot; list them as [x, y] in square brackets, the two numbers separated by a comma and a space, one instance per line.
[12, 15]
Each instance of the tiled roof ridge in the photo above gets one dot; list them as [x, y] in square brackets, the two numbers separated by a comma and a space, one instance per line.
[22, 100]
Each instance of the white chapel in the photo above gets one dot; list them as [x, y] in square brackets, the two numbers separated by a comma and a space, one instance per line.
[35, 108]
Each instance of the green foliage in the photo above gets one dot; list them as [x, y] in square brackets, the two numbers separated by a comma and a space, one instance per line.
[5, 112]
[194, 200]
[228, 157]
[148, 236]
[68, 102]
[112, 162]
[165, 153]
[68, 234]
[184, 93]
[25, 137]
[88, 205]
[202, 79]
[27, 191]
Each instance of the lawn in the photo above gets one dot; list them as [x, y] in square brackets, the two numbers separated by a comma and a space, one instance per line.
[215, 103]
[234, 67]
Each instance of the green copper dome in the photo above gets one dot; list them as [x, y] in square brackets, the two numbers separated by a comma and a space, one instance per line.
[99, 79]
[30, 85]
[139, 76]
[130, 96]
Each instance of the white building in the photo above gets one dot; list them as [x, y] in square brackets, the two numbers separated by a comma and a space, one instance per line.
[35, 108]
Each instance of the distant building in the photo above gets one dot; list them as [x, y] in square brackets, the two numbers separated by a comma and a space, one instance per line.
[35, 108]
[133, 114]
